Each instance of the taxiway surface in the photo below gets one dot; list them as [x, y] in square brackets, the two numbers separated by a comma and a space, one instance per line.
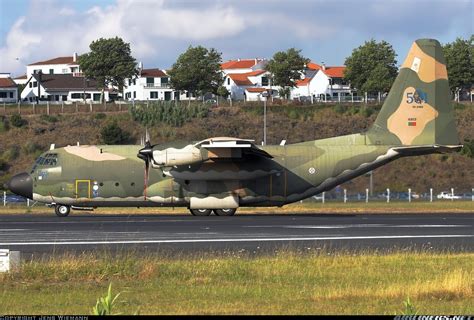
[182, 233]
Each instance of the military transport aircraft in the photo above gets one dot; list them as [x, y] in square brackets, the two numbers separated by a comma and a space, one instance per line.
[221, 174]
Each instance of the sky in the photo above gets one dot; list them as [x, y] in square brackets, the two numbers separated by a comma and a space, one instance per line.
[159, 30]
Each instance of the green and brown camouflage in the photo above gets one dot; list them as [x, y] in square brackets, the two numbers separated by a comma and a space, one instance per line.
[416, 119]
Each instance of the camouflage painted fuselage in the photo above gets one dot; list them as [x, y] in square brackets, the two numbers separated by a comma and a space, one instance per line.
[296, 172]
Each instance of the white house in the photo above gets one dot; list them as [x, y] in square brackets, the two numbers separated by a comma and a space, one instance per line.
[238, 83]
[62, 88]
[322, 83]
[8, 89]
[59, 65]
[150, 84]
[243, 65]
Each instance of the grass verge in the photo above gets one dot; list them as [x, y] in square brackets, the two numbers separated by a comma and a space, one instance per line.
[235, 283]
[306, 207]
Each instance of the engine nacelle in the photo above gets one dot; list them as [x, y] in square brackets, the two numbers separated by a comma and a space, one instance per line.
[176, 157]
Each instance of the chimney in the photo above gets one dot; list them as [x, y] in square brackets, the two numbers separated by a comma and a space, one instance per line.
[256, 60]
[323, 66]
[238, 59]
[140, 68]
[74, 57]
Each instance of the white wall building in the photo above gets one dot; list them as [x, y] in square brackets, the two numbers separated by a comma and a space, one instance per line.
[59, 65]
[8, 89]
[62, 88]
[151, 84]
[321, 83]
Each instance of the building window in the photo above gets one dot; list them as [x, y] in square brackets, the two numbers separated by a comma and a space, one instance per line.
[264, 81]
[134, 94]
[64, 98]
[51, 71]
[129, 82]
[35, 84]
[3, 94]
[228, 81]
[154, 95]
[11, 94]
[150, 81]
[134, 81]
[164, 80]
[96, 97]
[31, 85]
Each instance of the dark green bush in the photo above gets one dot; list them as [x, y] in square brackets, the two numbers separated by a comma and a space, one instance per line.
[100, 116]
[11, 153]
[112, 133]
[3, 124]
[31, 147]
[48, 118]
[17, 121]
[468, 149]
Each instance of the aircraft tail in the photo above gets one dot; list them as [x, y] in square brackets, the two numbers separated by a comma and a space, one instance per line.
[418, 110]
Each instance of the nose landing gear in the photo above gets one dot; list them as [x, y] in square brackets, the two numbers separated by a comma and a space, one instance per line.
[62, 210]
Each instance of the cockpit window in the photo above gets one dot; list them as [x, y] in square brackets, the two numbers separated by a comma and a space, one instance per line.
[46, 160]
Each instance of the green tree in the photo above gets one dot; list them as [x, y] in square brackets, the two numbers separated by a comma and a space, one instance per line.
[109, 62]
[459, 56]
[197, 70]
[223, 92]
[286, 67]
[113, 134]
[372, 67]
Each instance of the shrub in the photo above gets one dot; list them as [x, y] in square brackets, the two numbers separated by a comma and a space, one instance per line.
[468, 148]
[167, 112]
[17, 121]
[48, 118]
[3, 124]
[366, 112]
[31, 147]
[100, 116]
[112, 133]
[11, 153]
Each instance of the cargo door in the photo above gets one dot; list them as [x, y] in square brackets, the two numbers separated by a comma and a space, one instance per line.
[83, 189]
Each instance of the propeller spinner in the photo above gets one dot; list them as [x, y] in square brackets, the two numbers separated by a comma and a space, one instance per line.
[146, 154]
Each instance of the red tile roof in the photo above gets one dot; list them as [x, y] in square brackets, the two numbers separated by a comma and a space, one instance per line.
[153, 73]
[256, 89]
[58, 60]
[240, 79]
[314, 66]
[303, 82]
[242, 64]
[254, 73]
[335, 72]
[7, 83]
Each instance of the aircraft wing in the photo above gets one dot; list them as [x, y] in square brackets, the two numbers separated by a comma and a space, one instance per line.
[209, 149]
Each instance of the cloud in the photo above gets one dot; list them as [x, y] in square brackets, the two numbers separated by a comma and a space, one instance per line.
[159, 31]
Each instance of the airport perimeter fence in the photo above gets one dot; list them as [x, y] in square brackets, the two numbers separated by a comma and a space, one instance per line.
[58, 107]
[344, 196]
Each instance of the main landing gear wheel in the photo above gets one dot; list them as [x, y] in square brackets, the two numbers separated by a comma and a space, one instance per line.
[224, 212]
[62, 210]
[200, 212]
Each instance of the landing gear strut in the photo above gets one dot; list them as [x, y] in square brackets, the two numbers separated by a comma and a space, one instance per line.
[62, 210]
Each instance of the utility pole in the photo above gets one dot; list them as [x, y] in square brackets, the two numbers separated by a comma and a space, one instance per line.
[265, 96]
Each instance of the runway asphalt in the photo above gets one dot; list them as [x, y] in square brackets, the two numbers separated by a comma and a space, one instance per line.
[32, 234]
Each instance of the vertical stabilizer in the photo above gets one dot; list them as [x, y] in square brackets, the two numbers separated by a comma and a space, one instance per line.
[418, 109]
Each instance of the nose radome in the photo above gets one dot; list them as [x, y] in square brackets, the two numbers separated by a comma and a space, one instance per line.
[22, 185]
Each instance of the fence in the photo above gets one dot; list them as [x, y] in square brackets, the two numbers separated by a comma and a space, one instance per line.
[344, 196]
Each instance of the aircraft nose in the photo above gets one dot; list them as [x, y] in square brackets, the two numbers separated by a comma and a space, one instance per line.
[22, 185]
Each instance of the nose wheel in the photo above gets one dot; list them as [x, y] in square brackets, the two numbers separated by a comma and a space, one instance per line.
[62, 210]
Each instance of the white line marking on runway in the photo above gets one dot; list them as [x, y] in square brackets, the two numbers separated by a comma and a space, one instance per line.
[347, 226]
[233, 240]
